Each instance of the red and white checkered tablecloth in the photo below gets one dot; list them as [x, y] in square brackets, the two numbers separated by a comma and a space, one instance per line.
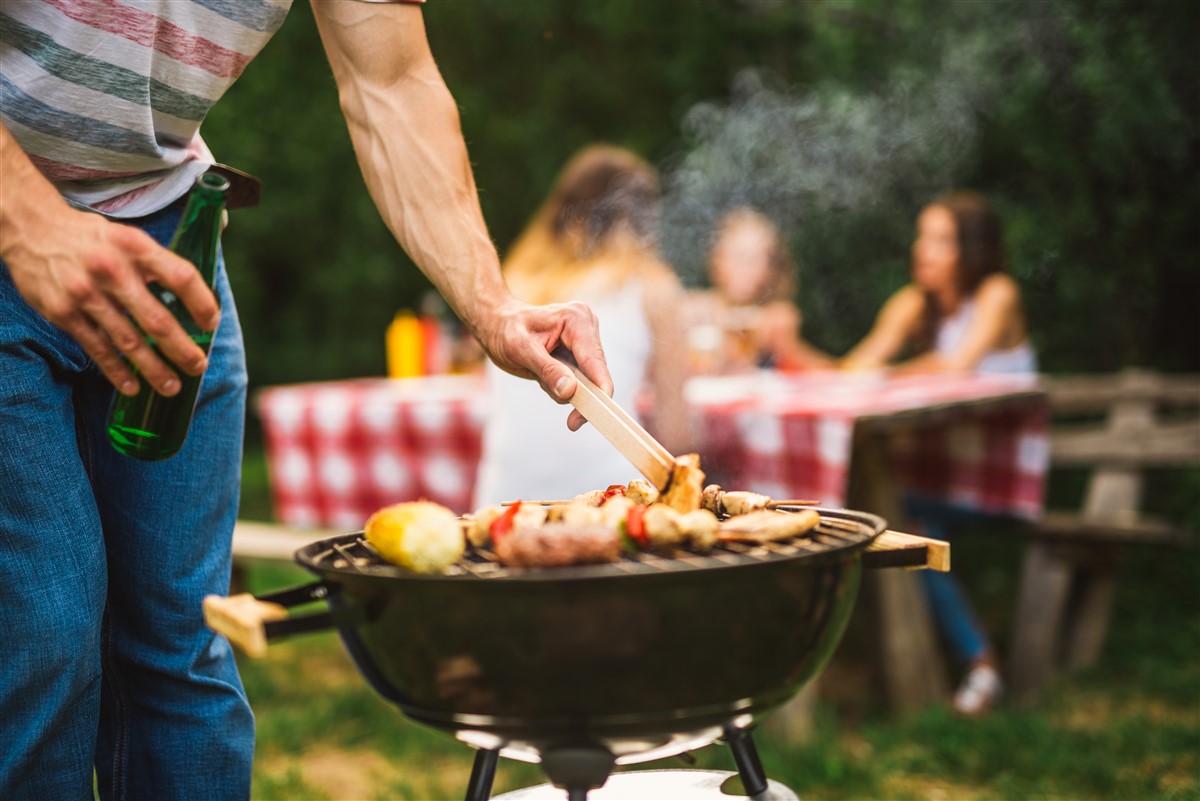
[338, 451]
[791, 436]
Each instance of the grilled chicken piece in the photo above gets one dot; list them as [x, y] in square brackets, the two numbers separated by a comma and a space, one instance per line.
[477, 532]
[581, 514]
[593, 498]
[667, 528]
[683, 494]
[699, 528]
[478, 528]
[559, 544]
[767, 526]
[661, 524]
[740, 503]
[530, 514]
[641, 491]
[615, 509]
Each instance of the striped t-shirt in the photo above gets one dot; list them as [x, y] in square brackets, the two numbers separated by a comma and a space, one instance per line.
[107, 96]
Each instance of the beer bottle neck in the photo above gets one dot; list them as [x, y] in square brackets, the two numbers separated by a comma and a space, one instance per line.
[199, 230]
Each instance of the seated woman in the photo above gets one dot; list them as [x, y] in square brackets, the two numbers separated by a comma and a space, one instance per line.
[749, 318]
[594, 239]
[961, 312]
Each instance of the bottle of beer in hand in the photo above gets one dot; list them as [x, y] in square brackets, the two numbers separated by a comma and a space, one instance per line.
[148, 425]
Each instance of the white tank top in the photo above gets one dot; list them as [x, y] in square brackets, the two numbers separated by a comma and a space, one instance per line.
[528, 451]
[1020, 359]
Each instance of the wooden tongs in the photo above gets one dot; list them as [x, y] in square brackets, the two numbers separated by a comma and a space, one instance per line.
[617, 426]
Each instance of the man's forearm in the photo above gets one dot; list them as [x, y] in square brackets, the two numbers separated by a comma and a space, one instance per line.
[23, 191]
[406, 133]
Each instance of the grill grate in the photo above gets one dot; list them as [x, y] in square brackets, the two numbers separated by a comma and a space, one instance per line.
[351, 553]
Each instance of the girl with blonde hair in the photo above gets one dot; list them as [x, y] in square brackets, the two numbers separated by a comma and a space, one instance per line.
[594, 239]
[749, 318]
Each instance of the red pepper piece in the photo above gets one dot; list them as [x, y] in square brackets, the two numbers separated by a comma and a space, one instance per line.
[635, 525]
[613, 491]
[503, 524]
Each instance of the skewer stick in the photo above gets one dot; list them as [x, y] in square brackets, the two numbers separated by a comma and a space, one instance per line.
[770, 504]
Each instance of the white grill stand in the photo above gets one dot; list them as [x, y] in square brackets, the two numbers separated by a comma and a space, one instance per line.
[662, 785]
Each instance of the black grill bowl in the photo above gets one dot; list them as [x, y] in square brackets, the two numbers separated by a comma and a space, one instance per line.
[646, 659]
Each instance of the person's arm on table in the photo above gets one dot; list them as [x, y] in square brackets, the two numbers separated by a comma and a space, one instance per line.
[997, 304]
[406, 133]
[779, 334]
[88, 276]
[895, 324]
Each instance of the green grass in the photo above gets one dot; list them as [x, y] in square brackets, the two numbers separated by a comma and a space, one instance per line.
[1128, 728]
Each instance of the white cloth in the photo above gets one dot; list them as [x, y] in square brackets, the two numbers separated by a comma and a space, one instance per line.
[1019, 359]
[528, 451]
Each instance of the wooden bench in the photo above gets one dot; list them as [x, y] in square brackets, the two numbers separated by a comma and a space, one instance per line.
[1069, 572]
[254, 540]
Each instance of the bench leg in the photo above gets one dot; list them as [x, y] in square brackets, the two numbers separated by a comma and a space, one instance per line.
[1087, 627]
[912, 665]
[1041, 606]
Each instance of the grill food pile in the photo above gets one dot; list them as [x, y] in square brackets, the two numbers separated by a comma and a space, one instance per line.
[596, 527]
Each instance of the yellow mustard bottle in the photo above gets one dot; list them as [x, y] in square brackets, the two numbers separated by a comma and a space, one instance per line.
[405, 346]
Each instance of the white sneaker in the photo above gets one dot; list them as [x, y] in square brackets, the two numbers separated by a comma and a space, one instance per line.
[979, 691]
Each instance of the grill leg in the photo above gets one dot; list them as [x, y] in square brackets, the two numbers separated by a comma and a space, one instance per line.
[745, 756]
[483, 773]
[577, 769]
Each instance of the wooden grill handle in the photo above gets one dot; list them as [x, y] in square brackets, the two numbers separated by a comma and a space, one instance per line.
[910, 551]
[243, 620]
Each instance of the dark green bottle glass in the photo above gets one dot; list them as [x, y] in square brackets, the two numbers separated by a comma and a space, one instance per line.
[148, 425]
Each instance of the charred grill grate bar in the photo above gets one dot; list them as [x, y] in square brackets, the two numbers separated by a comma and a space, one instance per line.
[831, 535]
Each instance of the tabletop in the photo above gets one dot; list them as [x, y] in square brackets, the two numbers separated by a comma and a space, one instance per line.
[980, 441]
[337, 451]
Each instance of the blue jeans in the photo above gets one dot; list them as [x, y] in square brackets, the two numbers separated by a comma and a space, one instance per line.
[104, 561]
[952, 611]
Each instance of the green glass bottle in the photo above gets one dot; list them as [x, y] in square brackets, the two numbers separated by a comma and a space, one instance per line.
[148, 425]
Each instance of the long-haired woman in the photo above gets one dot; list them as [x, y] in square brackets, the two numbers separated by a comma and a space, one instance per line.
[962, 310]
[595, 238]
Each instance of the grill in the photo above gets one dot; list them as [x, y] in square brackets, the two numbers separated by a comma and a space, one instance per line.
[586, 667]
[832, 535]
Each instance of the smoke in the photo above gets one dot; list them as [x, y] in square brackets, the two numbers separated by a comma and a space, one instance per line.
[807, 158]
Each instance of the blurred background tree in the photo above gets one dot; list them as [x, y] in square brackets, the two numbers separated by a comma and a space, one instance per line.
[840, 119]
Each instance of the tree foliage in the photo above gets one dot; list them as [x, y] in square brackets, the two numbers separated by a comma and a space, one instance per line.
[840, 119]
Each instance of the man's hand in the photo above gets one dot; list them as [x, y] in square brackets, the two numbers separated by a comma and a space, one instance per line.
[520, 338]
[88, 276]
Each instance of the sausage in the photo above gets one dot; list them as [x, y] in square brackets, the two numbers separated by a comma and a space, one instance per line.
[558, 545]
